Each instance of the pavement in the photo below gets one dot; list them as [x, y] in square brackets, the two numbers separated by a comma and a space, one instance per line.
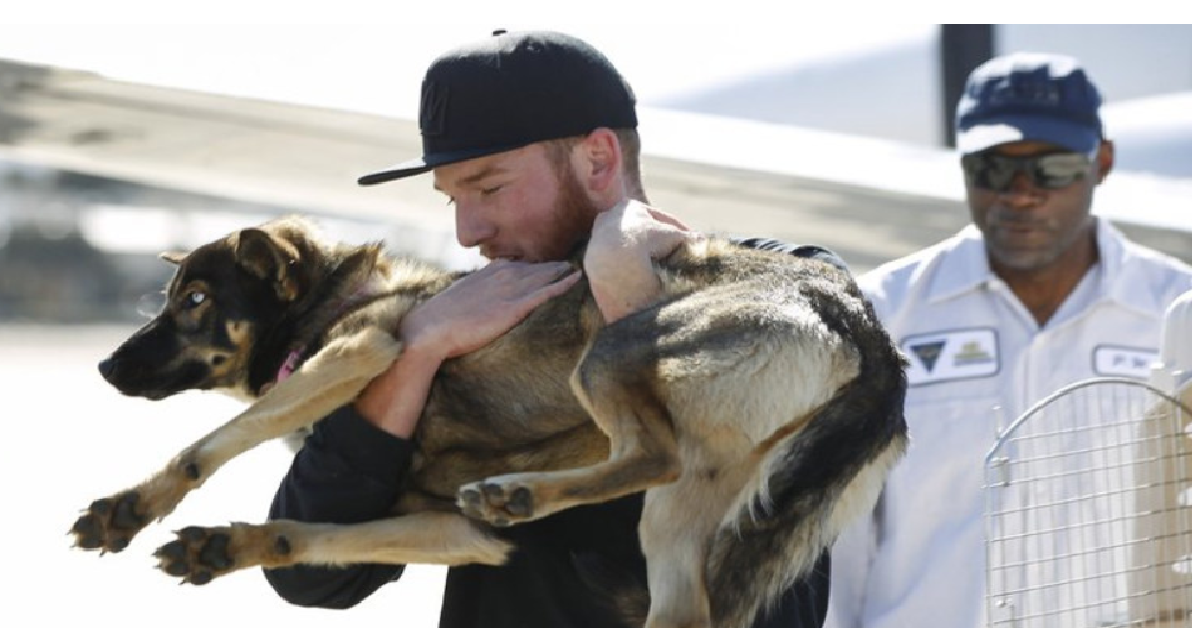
[308, 158]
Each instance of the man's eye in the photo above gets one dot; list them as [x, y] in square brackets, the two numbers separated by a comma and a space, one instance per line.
[491, 190]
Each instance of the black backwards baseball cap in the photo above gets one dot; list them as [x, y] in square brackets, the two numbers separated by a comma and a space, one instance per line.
[1027, 96]
[511, 90]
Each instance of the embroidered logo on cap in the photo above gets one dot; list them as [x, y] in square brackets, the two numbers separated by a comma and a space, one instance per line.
[1025, 89]
[435, 100]
[951, 355]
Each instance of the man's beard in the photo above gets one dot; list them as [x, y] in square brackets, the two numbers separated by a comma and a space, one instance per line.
[571, 224]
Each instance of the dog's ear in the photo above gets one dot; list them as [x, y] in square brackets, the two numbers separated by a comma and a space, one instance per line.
[174, 257]
[270, 258]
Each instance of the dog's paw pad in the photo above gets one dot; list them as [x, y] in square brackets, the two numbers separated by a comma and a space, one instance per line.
[197, 555]
[110, 523]
[520, 503]
[496, 503]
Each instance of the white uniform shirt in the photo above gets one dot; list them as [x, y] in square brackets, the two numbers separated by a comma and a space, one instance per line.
[978, 359]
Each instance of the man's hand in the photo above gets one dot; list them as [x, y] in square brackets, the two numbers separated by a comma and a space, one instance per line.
[468, 315]
[625, 240]
[480, 307]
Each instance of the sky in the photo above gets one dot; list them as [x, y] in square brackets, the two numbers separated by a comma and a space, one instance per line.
[242, 46]
[377, 67]
[762, 61]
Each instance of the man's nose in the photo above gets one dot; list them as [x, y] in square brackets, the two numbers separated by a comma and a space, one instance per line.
[1021, 191]
[469, 226]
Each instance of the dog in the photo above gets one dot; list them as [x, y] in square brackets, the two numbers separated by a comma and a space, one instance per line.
[758, 404]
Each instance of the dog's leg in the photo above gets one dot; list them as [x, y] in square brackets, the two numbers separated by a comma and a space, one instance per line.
[620, 392]
[199, 555]
[674, 540]
[328, 380]
[677, 526]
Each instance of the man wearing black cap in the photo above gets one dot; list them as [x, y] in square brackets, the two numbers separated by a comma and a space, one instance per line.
[532, 136]
[1036, 294]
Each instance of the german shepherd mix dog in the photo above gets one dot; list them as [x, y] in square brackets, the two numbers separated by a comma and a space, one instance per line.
[759, 404]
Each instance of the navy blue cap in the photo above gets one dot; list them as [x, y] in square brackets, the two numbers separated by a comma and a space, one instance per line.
[1027, 96]
[511, 90]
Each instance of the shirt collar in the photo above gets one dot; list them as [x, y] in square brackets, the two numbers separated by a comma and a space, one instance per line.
[964, 267]
[1123, 276]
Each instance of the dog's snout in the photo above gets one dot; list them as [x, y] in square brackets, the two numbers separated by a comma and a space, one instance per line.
[107, 367]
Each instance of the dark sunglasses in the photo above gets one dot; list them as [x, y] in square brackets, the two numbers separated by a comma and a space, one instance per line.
[991, 171]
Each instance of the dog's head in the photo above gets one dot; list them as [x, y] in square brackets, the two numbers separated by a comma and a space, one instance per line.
[222, 310]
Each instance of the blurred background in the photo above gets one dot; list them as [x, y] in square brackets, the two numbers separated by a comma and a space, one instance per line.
[119, 140]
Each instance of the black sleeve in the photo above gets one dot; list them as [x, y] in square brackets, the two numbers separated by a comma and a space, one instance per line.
[812, 593]
[799, 250]
[804, 604]
[348, 471]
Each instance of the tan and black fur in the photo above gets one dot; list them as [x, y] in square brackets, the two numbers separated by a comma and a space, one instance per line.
[758, 404]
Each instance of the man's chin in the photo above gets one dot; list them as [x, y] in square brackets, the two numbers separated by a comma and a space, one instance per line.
[1022, 259]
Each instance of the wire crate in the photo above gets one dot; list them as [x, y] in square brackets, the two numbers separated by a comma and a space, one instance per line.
[1088, 499]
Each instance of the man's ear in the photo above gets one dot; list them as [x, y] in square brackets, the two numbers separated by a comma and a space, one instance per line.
[600, 161]
[270, 258]
[1106, 158]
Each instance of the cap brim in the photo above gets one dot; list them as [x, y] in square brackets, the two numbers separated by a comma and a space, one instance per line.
[398, 171]
[429, 162]
[1076, 137]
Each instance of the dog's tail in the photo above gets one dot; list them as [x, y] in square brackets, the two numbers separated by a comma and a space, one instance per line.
[818, 479]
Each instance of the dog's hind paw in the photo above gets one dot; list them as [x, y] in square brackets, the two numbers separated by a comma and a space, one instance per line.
[110, 523]
[498, 503]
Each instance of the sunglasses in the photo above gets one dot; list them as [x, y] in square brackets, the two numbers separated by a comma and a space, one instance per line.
[991, 171]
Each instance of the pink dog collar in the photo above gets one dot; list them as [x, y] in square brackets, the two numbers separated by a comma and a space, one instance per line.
[289, 366]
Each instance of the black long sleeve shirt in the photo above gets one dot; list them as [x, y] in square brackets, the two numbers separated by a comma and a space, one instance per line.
[349, 471]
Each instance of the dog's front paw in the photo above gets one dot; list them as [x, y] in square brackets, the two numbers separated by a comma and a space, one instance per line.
[110, 523]
[200, 554]
[496, 501]
[197, 555]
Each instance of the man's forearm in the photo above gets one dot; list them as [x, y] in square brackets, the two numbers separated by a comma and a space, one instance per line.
[393, 402]
[349, 471]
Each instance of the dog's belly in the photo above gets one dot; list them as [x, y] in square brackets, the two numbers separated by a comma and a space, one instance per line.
[460, 452]
[483, 420]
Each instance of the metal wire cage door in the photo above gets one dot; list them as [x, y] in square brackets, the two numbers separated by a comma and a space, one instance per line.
[1089, 510]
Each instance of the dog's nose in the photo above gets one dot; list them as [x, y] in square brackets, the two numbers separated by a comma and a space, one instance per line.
[107, 366]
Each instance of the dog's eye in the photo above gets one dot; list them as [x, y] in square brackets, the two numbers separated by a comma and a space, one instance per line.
[194, 299]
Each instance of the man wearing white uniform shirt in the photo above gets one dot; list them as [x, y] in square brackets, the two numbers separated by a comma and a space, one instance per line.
[1036, 294]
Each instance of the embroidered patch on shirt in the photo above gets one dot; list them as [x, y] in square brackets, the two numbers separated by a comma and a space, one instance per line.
[945, 356]
[1123, 361]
